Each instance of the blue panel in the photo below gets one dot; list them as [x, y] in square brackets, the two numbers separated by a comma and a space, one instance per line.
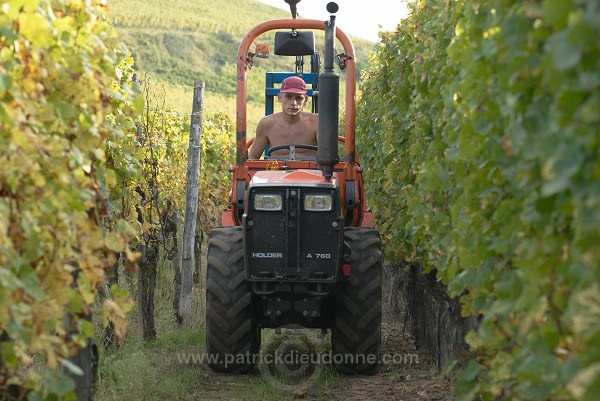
[270, 83]
[278, 77]
[273, 78]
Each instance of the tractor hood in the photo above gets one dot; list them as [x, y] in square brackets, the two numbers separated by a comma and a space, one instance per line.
[292, 177]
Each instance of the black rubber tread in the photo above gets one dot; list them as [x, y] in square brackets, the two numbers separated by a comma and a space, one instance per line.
[356, 334]
[230, 331]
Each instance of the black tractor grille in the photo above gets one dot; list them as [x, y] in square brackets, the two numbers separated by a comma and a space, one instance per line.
[292, 244]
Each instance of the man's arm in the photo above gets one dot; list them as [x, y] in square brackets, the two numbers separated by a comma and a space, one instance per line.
[260, 141]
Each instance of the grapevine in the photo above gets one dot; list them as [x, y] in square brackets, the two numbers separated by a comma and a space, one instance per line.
[481, 132]
[65, 100]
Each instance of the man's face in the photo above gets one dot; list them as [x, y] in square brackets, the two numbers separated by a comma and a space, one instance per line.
[292, 103]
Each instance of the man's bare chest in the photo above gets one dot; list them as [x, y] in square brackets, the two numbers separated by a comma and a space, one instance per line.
[299, 133]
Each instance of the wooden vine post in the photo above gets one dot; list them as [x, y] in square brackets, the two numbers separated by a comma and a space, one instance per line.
[191, 206]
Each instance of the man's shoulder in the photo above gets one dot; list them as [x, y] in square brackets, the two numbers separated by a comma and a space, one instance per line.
[270, 119]
[312, 118]
[272, 116]
[267, 121]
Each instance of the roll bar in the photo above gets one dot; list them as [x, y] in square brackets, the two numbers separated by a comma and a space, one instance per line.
[242, 66]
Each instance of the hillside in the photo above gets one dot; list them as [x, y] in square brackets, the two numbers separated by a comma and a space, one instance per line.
[176, 42]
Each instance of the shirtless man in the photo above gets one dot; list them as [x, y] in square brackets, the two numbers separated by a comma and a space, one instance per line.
[290, 126]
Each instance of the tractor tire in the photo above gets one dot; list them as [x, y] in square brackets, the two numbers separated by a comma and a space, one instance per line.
[356, 333]
[232, 337]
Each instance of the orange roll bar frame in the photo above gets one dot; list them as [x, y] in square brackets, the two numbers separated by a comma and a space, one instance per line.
[242, 66]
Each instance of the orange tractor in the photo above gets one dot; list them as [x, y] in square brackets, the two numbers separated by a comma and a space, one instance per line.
[297, 247]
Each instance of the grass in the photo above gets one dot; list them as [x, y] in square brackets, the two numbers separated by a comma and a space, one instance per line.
[180, 98]
[150, 370]
[256, 389]
[153, 370]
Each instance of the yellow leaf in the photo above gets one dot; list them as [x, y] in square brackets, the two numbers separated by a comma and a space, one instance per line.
[30, 5]
[51, 359]
[114, 242]
[132, 258]
[25, 359]
[110, 179]
[112, 313]
[91, 241]
[42, 313]
[35, 27]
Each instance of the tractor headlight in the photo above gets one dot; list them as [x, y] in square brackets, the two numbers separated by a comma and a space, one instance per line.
[318, 203]
[272, 202]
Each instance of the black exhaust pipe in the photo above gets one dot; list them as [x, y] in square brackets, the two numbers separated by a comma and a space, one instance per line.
[329, 99]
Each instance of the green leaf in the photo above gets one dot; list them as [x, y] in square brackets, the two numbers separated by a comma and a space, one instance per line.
[559, 169]
[124, 227]
[35, 396]
[10, 282]
[556, 12]
[52, 123]
[31, 283]
[589, 110]
[8, 33]
[59, 383]
[470, 372]
[8, 354]
[466, 385]
[86, 328]
[565, 55]
[5, 84]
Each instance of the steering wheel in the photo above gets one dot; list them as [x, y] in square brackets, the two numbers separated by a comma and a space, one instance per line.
[292, 149]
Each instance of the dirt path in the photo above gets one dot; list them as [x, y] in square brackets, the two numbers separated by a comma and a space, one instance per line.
[405, 375]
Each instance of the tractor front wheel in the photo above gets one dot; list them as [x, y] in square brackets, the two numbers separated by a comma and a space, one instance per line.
[356, 335]
[232, 337]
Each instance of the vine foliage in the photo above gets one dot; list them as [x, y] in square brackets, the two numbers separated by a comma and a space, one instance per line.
[65, 98]
[479, 121]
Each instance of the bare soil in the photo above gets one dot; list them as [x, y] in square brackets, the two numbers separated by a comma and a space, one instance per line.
[402, 380]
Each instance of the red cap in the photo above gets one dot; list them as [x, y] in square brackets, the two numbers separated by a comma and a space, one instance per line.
[293, 85]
